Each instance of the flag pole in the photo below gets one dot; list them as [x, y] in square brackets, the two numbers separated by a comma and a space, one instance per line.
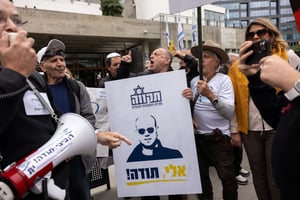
[200, 45]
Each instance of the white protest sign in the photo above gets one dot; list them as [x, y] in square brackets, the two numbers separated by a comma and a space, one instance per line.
[151, 111]
[99, 105]
[177, 6]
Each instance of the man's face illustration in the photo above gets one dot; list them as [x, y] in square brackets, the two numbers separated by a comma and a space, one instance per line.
[146, 130]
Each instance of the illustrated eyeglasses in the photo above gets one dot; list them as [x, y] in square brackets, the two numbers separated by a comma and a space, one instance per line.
[16, 19]
[49, 54]
[143, 130]
[259, 33]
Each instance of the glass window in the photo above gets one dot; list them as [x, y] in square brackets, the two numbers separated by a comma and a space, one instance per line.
[189, 44]
[289, 36]
[287, 19]
[234, 14]
[206, 14]
[273, 11]
[244, 24]
[285, 11]
[273, 4]
[213, 18]
[244, 6]
[244, 14]
[259, 4]
[275, 22]
[285, 2]
[235, 24]
[259, 13]
[229, 6]
[222, 17]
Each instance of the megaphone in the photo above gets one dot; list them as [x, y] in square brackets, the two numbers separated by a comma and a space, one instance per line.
[73, 136]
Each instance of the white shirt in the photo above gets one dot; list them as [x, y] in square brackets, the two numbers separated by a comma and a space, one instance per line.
[205, 114]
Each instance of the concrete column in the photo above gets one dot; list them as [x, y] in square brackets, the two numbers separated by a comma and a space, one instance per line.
[146, 50]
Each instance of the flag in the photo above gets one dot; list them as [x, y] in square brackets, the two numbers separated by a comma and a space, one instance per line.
[167, 31]
[194, 29]
[169, 41]
[180, 35]
[171, 47]
[295, 5]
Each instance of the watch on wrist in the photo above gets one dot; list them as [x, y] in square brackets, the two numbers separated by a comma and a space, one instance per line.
[215, 102]
[294, 92]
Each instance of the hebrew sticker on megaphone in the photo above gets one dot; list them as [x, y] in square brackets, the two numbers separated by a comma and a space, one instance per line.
[73, 136]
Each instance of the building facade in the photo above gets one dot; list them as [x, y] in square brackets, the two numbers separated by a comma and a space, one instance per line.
[241, 12]
[89, 36]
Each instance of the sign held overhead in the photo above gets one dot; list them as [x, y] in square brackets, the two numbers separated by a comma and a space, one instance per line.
[177, 6]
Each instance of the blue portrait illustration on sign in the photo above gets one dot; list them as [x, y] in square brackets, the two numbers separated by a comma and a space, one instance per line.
[150, 147]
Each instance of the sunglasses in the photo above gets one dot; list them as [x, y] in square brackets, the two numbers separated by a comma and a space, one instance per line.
[50, 54]
[259, 33]
[143, 130]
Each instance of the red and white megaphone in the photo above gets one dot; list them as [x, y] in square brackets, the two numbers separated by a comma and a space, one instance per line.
[73, 136]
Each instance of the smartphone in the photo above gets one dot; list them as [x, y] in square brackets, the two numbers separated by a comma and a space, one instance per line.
[260, 49]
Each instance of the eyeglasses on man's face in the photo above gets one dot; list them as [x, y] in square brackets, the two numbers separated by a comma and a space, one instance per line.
[16, 19]
[259, 33]
[158, 54]
[143, 130]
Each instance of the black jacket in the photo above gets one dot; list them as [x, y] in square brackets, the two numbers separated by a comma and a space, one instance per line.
[123, 72]
[284, 116]
[21, 133]
[191, 63]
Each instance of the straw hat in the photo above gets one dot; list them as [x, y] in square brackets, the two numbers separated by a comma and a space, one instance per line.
[210, 45]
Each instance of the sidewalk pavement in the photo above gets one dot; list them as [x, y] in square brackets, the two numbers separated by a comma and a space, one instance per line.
[245, 192]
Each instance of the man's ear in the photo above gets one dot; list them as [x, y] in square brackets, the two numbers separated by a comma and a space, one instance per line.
[108, 68]
[167, 61]
[42, 67]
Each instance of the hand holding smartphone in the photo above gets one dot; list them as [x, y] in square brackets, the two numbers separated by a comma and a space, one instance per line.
[260, 49]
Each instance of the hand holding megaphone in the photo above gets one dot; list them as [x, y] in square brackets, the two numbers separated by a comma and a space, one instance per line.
[74, 136]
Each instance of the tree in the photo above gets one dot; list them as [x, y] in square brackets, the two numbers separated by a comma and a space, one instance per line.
[111, 8]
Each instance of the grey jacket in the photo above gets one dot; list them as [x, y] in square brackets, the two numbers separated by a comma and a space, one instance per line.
[81, 104]
[84, 108]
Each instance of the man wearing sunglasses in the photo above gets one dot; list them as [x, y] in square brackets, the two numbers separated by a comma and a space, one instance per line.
[150, 147]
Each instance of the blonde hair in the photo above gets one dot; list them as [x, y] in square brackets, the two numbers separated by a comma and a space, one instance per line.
[69, 73]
